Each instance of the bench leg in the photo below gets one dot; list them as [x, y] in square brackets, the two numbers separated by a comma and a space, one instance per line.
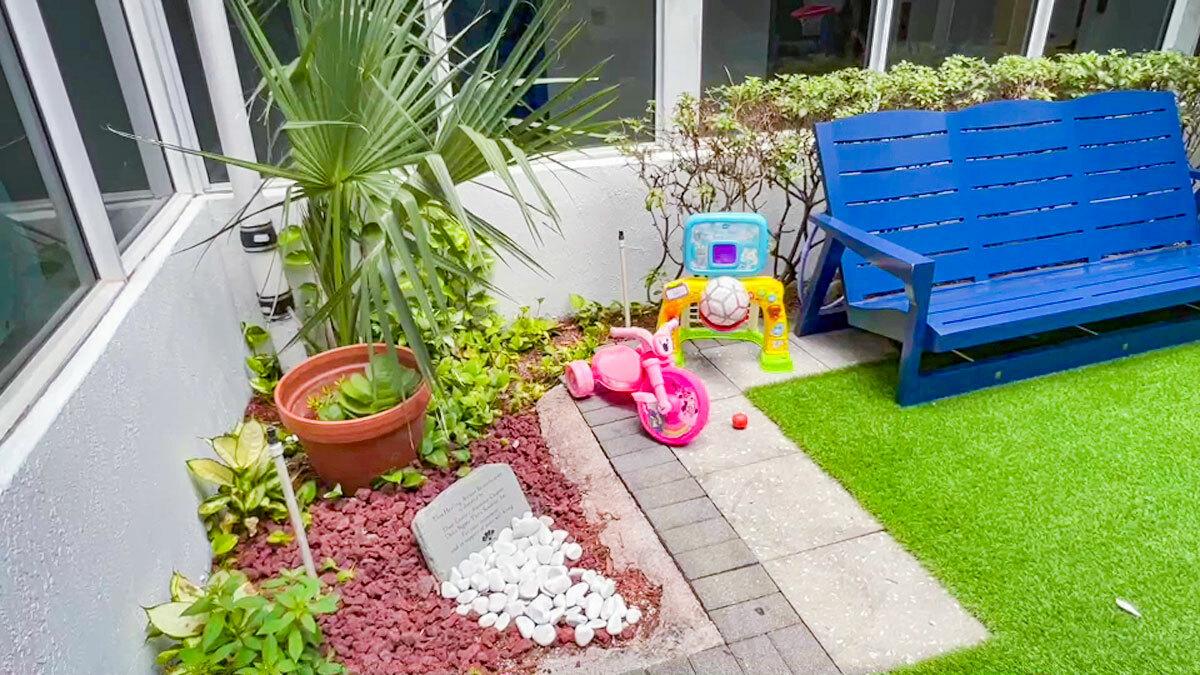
[812, 320]
[910, 390]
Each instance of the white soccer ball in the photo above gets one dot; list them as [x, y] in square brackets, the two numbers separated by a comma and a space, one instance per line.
[724, 304]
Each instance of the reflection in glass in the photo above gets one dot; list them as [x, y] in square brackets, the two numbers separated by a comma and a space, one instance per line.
[43, 267]
[269, 145]
[1101, 25]
[927, 31]
[789, 36]
[104, 84]
[619, 30]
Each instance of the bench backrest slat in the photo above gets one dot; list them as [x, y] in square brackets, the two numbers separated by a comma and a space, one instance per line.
[1011, 186]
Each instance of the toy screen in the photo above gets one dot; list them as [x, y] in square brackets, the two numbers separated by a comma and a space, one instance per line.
[723, 248]
[724, 254]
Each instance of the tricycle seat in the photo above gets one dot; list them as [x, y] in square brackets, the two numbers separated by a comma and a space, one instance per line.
[1033, 302]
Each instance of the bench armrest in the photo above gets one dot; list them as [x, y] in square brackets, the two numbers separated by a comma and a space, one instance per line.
[891, 258]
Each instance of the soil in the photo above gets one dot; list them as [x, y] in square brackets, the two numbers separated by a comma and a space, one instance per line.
[391, 618]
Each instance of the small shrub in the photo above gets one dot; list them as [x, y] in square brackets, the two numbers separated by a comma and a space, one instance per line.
[263, 362]
[231, 625]
[247, 487]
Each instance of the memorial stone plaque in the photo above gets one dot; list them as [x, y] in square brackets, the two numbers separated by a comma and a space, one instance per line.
[468, 516]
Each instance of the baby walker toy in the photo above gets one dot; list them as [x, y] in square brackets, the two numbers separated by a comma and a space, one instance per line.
[672, 403]
[726, 253]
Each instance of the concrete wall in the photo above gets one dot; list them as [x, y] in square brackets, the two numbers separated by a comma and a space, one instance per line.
[595, 199]
[100, 509]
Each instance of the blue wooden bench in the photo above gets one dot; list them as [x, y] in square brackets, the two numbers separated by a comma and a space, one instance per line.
[1007, 220]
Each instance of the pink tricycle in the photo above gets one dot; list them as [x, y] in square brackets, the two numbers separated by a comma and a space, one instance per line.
[671, 402]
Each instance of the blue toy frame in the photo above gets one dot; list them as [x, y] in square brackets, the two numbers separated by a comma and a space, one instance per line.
[1008, 220]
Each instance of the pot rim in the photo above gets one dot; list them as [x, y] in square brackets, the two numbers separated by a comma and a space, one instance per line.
[311, 368]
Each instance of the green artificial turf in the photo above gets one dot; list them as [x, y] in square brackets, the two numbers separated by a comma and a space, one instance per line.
[1037, 504]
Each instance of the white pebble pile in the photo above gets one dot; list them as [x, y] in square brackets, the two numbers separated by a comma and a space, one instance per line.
[523, 580]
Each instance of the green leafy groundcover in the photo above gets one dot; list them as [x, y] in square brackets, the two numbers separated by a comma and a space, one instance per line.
[1037, 503]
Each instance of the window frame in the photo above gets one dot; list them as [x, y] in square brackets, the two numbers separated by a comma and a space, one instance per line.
[25, 34]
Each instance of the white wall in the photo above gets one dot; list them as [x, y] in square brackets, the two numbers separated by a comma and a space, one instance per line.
[100, 509]
[595, 199]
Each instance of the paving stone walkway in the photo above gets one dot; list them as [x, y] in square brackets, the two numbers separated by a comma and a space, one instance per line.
[794, 573]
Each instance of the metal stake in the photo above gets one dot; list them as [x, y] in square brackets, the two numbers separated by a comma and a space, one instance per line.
[624, 278]
[275, 447]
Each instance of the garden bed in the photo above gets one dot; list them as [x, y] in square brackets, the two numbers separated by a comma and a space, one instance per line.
[392, 618]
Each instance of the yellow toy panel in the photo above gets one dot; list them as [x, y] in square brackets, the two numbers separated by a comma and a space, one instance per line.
[681, 296]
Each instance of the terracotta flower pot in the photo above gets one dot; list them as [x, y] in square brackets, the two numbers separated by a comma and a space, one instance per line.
[351, 452]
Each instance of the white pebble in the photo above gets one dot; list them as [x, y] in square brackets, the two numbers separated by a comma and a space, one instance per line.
[597, 624]
[544, 554]
[555, 616]
[559, 536]
[546, 520]
[477, 558]
[525, 626]
[468, 596]
[614, 626]
[449, 590]
[544, 635]
[528, 589]
[480, 605]
[577, 593]
[606, 610]
[505, 548]
[462, 610]
[619, 607]
[511, 590]
[584, 634]
[496, 602]
[487, 620]
[468, 567]
[575, 619]
[560, 600]
[515, 607]
[495, 580]
[607, 588]
[557, 558]
[544, 537]
[457, 579]
[576, 572]
[592, 605]
[633, 615]
[525, 527]
[502, 621]
[537, 614]
[572, 551]
[543, 602]
[506, 535]
[479, 582]
[557, 585]
[522, 544]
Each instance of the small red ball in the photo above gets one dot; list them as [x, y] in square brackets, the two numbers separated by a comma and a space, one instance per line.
[740, 420]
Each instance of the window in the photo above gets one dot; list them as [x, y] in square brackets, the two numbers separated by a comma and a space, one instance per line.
[268, 146]
[1100, 25]
[619, 30]
[95, 55]
[927, 31]
[44, 268]
[744, 38]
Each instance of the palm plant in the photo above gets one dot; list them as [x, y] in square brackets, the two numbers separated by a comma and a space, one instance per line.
[383, 119]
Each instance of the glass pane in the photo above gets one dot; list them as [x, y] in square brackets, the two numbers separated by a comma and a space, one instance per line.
[95, 55]
[43, 267]
[269, 146]
[619, 30]
[927, 31]
[1101, 25]
[788, 36]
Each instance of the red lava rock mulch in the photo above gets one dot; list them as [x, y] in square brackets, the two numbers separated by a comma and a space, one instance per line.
[392, 618]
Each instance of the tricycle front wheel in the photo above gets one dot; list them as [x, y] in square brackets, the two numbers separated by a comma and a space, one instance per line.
[689, 409]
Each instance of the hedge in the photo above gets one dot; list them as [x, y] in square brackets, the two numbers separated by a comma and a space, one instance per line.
[742, 143]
